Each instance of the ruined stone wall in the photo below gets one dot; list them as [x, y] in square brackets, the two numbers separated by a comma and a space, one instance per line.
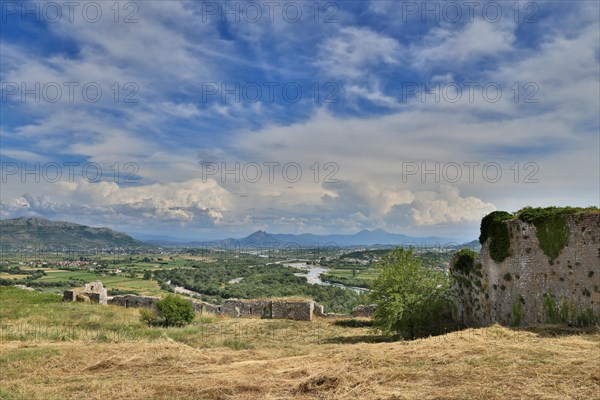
[300, 310]
[488, 292]
[133, 301]
[278, 309]
[236, 308]
[202, 307]
[366, 311]
[93, 292]
[296, 310]
[319, 312]
[248, 308]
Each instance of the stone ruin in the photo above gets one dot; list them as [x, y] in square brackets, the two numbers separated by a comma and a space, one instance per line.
[491, 291]
[295, 310]
[133, 301]
[365, 311]
[93, 292]
[298, 310]
[319, 312]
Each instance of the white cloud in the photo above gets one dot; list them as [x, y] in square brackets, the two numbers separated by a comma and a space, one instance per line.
[446, 45]
[353, 49]
[447, 206]
[194, 201]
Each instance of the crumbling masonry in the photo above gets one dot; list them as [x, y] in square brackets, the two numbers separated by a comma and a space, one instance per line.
[493, 291]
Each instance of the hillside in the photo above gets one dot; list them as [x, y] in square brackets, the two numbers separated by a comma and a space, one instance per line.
[40, 233]
[53, 350]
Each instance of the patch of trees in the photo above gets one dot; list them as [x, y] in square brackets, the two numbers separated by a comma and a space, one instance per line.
[259, 281]
[356, 282]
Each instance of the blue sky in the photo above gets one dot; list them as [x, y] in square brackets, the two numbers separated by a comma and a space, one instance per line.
[420, 118]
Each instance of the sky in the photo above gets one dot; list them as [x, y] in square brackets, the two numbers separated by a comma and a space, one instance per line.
[214, 119]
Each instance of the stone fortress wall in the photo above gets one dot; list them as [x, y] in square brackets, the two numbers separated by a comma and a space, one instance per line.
[493, 291]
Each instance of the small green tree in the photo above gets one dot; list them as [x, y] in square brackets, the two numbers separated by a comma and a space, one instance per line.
[148, 275]
[173, 310]
[411, 299]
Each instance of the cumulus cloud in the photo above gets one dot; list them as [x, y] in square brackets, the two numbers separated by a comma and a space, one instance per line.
[445, 206]
[190, 201]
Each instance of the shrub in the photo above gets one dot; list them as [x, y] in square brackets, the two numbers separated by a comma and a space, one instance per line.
[412, 300]
[170, 311]
[587, 318]
[148, 316]
[119, 292]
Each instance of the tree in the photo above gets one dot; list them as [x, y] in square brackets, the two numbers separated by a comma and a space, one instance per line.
[148, 275]
[412, 300]
[173, 310]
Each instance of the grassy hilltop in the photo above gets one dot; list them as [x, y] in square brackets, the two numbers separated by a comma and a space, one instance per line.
[53, 350]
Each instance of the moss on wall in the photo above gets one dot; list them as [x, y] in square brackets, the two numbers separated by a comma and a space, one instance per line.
[552, 230]
[464, 260]
[494, 228]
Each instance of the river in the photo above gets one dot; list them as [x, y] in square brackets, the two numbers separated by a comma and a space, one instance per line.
[313, 276]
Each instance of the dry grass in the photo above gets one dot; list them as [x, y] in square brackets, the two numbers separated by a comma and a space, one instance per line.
[53, 350]
[489, 363]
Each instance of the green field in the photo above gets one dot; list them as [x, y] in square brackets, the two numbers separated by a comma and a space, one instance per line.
[4, 275]
[366, 274]
[121, 282]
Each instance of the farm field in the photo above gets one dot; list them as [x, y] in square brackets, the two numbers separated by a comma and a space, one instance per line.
[121, 281]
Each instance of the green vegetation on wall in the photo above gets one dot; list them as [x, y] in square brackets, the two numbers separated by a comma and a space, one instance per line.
[551, 226]
[566, 312]
[517, 311]
[464, 261]
[494, 228]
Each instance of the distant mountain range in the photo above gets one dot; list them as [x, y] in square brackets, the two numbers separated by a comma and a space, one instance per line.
[40, 233]
[36, 232]
[363, 238]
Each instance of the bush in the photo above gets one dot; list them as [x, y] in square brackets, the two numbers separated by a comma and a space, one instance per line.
[412, 300]
[170, 311]
[148, 316]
